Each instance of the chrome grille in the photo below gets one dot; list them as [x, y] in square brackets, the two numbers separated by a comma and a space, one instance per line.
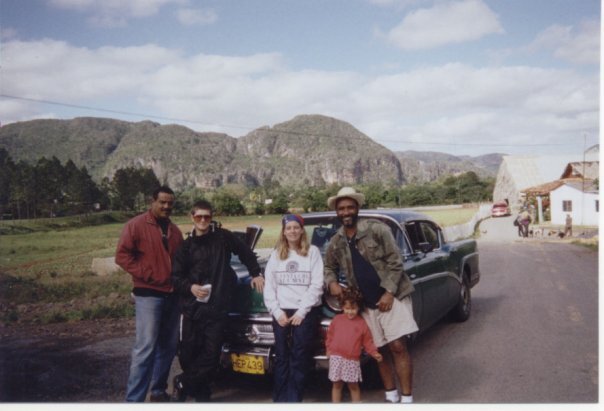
[241, 332]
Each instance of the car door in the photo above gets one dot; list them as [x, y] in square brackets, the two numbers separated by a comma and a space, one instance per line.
[426, 267]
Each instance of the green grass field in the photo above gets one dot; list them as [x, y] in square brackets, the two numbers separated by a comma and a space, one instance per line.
[45, 265]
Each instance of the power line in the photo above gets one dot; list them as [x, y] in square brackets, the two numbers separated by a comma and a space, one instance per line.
[126, 113]
[273, 130]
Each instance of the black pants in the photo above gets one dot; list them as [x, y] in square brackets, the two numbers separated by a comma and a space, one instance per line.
[293, 356]
[525, 229]
[199, 354]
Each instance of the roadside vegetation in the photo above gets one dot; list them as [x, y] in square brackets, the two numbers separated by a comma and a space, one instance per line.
[589, 243]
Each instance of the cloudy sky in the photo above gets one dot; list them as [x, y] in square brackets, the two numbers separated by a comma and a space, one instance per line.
[467, 77]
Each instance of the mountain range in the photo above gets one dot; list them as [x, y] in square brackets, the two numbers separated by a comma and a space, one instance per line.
[308, 149]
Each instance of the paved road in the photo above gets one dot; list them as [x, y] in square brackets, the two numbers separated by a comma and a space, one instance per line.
[532, 337]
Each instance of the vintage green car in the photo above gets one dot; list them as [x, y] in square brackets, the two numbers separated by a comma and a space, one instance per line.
[442, 272]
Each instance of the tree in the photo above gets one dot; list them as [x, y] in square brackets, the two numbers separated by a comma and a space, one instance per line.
[280, 205]
[417, 195]
[374, 194]
[132, 187]
[80, 190]
[314, 200]
[7, 171]
[226, 203]
[23, 190]
[49, 178]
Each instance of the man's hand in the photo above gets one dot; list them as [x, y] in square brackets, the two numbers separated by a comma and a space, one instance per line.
[335, 288]
[258, 283]
[295, 320]
[385, 302]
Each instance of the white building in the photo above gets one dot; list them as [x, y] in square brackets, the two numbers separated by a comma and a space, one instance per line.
[577, 198]
[518, 173]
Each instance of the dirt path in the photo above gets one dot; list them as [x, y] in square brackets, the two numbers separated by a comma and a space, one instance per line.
[86, 361]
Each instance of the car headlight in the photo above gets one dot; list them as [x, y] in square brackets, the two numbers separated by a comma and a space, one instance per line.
[333, 303]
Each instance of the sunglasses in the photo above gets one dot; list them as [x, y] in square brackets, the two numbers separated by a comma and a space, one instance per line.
[200, 217]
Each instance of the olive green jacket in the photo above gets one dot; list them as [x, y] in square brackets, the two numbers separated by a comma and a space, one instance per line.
[376, 244]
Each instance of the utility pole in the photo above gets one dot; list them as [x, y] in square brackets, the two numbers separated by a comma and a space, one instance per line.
[583, 179]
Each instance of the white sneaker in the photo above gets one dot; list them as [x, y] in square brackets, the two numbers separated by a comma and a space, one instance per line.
[407, 399]
[392, 396]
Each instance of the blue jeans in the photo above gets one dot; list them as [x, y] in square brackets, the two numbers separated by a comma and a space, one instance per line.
[155, 346]
[294, 347]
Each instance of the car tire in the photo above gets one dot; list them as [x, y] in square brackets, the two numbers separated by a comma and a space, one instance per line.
[462, 310]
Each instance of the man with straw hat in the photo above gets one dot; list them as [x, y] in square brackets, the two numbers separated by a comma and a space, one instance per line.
[366, 252]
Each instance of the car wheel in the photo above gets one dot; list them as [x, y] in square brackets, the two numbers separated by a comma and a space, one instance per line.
[463, 308]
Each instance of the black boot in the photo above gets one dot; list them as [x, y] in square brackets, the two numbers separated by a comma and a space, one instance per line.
[178, 392]
[203, 395]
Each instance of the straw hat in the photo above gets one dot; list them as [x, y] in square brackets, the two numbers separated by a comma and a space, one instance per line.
[346, 192]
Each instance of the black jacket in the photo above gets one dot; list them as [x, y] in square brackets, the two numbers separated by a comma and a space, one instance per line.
[206, 259]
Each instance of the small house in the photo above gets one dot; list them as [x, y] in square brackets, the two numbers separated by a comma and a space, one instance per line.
[579, 198]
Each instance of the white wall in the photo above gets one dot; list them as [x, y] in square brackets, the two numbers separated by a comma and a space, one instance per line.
[458, 232]
[583, 205]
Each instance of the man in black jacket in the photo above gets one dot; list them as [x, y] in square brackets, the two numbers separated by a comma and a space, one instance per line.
[205, 282]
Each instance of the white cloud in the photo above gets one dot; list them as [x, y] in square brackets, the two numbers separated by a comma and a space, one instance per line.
[576, 45]
[459, 104]
[445, 23]
[452, 105]
[114, 13]
[52, 69]
[190, 17]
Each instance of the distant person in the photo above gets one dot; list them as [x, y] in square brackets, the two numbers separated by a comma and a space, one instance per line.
[347, 335]
[524, 221]
[206, 284]
[294, 286]
[145, 250]
[366, 252]
[518, 225]
[568, 226]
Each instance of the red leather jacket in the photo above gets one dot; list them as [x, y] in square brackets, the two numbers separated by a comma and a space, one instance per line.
[141, 253]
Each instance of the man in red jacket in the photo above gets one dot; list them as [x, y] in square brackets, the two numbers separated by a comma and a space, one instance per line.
[145, 250]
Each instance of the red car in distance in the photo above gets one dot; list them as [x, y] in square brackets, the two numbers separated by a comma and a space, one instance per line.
[500, 209]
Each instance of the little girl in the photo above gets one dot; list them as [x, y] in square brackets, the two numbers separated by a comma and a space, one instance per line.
[348, 333]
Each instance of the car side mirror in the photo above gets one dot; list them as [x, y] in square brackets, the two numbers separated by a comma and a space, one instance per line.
[425, 247]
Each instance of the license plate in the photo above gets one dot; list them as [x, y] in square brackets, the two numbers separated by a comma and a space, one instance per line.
[248, 364]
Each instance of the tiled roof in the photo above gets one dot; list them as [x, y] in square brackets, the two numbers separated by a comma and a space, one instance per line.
[532, 171]
[586, 169]
[587, 186]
